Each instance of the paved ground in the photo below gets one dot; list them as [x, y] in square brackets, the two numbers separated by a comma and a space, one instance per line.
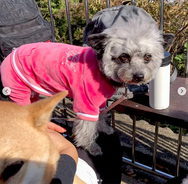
[166, 150]
[129, 180]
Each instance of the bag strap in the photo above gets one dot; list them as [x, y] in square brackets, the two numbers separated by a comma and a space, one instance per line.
[124, 97]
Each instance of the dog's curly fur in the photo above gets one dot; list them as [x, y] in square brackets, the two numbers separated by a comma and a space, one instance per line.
[141, 43]
[86, 132]
[127, 39]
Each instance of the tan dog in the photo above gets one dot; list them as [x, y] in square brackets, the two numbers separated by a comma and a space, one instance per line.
[27, 155]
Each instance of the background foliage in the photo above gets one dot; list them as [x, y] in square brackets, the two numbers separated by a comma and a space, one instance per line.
[175, 21]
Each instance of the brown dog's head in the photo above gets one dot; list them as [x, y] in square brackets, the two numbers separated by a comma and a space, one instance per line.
[27, 155]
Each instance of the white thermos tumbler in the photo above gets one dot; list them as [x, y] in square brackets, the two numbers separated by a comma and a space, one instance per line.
[159, 87]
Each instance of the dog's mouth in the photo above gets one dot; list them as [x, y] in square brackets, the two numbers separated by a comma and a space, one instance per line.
[122, 84]
[131, 82]
[136, 79]
[136, 83]
[117, 84]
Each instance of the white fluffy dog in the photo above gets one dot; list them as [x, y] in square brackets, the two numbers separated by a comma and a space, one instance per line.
[129, 51]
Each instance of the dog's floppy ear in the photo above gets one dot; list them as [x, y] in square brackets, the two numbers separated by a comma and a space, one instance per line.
[168, 39]
[96, 41]
[41, 110]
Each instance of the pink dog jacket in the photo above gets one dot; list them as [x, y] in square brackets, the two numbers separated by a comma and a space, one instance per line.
[48, 68]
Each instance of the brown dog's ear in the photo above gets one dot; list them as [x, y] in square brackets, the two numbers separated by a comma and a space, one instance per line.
[41, 110]
[96, 41]
[168, 39]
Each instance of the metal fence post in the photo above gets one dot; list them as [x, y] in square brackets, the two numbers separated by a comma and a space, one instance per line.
[108, 3]
[161, 27]
[134, 2]
[155, 145]
[134, 138]
[51, 17]
[186, 64]
[179, 151]
[68, 19]
[86, 11]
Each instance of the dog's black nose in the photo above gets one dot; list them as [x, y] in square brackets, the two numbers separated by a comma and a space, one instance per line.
[138, 77]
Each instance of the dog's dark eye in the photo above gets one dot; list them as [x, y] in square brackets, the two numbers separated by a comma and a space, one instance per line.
[11, 170]
[125, 58]
[147, 57]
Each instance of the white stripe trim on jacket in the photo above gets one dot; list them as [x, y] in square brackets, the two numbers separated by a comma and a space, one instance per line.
[20, 74]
